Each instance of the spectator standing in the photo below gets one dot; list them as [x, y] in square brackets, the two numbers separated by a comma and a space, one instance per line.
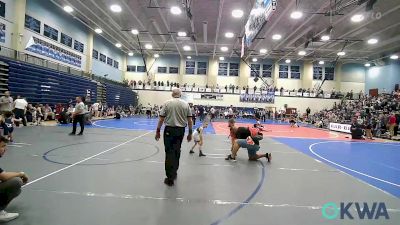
[20, 106]
[6, 103]
[392, 124]
[176, 115]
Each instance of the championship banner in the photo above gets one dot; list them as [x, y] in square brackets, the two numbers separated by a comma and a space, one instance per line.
[260, 13]
[218, 97]
[258, 98]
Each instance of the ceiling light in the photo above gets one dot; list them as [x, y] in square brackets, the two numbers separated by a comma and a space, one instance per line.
[182, 34]
[302, 53]
[148, 46]
[255, 60]
[372, 41]
[98, 30]
[156, 55]
[229, 35]
[116, 8]
[341, 53]
[189, 57]
[321, 62]
[263, 51]
[237, 13]
[130, 53]
[187, 48]
[276, 36]
[357, 18]
[325, 38]
[134, 31]
[68, 9]
[296, 15]
[394, 56]
[287, 61]
[221, 58]
[176, 10]
[224, 48]
[118, 45]
[367, 64]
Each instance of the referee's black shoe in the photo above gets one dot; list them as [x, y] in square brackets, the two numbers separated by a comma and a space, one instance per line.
[169, 182]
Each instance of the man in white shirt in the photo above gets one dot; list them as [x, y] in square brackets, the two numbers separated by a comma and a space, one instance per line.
[6, 103]
[78, 116]
[20, 106]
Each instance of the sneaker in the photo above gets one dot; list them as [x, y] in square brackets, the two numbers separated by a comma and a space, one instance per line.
[5, 216]
[201, 154]
[191, 152]
[80, 133]
[71, 134]
[169, 182]
[268, 156]
[229, 157]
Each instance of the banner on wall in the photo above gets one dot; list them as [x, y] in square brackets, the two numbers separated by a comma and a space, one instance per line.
[2, 33]
[199, 96]
[47, 49]
[340, 127]
[269, 97]
[259, 15]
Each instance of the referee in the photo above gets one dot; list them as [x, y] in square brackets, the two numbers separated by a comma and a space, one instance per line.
[176, 115]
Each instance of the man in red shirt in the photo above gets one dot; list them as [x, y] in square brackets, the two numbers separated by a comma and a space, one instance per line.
[392, 124]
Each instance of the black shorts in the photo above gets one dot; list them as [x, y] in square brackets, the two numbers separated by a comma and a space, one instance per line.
[148, 112]
[292, 121]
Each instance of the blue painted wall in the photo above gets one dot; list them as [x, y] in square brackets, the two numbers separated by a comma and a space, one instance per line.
[353, 72]
[135, 60]
[106, 48]
[52, 15]
[383, 77]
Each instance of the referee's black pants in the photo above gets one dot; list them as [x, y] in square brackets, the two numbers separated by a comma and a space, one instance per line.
[173, 137]
[20, 114]
[80, 119]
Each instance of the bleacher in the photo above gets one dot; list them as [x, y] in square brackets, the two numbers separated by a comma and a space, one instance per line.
[46, 86]
[42, 85]
[117, 95]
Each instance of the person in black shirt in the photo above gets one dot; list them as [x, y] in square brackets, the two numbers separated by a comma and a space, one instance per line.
[245, 137]
[356, 131]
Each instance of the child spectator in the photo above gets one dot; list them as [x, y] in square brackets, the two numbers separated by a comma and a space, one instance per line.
[7, 123]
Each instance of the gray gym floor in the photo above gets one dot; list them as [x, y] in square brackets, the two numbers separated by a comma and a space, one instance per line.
[124, 183]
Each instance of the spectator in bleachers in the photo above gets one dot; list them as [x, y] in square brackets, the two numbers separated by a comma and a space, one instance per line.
[48, 113]
[31, 114]
[20, 106]
[95, 109]
[39, 114]
[6, 103]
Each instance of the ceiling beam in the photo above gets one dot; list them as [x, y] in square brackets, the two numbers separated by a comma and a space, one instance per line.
[167, 26]
[111, 36]
[142, 27]
[221, 6]
[112, 21]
